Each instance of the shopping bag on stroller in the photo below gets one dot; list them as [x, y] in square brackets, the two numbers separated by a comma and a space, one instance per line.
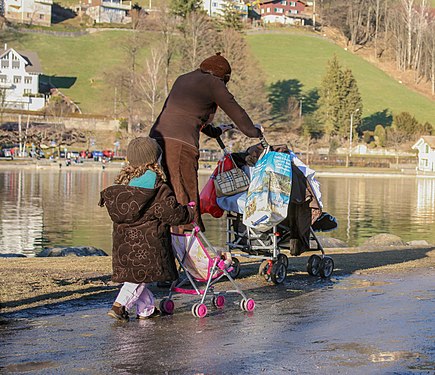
[269, 192]
[207, 197]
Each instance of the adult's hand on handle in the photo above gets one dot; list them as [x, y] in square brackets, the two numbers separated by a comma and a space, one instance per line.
[225, 127]
[259, 127]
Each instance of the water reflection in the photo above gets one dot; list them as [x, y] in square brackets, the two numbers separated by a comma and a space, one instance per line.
[50, 208]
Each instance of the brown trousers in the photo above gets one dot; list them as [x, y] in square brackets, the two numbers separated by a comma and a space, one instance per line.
[180, 162]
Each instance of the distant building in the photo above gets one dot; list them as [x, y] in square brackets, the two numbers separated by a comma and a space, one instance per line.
[19, 80]
[426, 153]
[32, 12]
[283, 11]
[215, 8]
[109, 11]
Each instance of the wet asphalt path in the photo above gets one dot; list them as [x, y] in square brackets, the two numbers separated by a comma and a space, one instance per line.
[360, 324]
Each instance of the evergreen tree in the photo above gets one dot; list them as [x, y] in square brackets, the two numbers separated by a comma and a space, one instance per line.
[329, 97]
[380, 135]
[184, 7]
[231, 16]
[339, 100]
[351, 105]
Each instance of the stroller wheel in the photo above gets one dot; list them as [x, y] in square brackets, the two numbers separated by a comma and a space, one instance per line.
[247, 304]
[279, 272]
[282, 258]
[167, 306]
[236, 268]
[218, 301]
[313, 265]
[199, 310]
[263, 270]
[326, 267]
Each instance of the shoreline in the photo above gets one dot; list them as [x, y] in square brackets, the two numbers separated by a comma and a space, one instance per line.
[328, 171]
[30, 283]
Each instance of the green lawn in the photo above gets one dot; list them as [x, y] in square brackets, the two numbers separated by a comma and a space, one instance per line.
[85, 58]
[303, 58]
[286, 57]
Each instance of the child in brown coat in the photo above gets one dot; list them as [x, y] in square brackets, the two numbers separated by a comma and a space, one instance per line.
[142, 207]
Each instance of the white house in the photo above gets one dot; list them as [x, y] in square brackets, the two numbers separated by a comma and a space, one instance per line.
[33, 12]
[109, 11]
[426, 153]
[216, 7]
[19, 80]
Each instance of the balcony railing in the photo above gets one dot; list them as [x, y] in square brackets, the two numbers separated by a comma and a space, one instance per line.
[124, 5]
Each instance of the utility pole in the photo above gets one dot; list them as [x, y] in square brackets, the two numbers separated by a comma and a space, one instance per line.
[350, 137]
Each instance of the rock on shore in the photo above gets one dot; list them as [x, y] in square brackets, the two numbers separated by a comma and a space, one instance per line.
[79, 251]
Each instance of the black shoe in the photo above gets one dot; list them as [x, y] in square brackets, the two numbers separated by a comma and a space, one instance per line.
[154, 314]
[164, 284]
[119, 312]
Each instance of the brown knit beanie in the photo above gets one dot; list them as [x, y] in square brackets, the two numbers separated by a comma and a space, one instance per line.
[143, 150]
[216, 65]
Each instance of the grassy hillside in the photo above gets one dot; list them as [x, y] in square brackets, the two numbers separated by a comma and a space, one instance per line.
[294, 58]
[286, 57]
[85, 59]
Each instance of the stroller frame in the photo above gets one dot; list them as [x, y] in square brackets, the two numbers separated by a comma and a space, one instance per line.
[267, 246]
[217, 269]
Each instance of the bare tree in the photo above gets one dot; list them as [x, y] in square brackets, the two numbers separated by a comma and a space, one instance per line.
[199, 39]
[247, 80]
[168, 24]
[150, 81]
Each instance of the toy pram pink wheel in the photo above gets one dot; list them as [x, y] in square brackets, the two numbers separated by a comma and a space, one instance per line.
[247, 304]
[199, 310]
[167, 306]
[219, 301]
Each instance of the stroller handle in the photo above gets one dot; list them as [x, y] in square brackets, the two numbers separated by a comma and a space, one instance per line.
[220, 143]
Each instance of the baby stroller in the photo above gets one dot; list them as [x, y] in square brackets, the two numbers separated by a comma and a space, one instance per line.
[296, 234]
[200, 262]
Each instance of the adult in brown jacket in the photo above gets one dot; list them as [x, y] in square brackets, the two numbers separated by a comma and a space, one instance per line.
[188, 110]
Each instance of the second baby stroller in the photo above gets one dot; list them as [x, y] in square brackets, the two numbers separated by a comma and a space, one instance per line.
[295, 234]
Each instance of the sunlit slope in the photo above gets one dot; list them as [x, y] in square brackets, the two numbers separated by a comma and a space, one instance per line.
[304, 58]
[87, 58]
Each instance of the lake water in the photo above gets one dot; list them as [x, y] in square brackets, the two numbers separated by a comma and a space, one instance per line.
[48, 208]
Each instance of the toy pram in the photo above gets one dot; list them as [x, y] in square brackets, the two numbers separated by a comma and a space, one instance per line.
[200, 262]
[295, 234]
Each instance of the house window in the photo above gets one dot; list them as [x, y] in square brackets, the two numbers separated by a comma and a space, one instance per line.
[262, 11]
[17, 79]
[28, 80]
[293, 11]
[292, 3]
[427, 149]
[15, 65]
[5, 64]
[27, 91]
[3, 78]
[267, 10]
[279, 10]
[41, 16]
[284, 2]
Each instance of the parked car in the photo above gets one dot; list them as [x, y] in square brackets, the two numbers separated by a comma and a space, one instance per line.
[108, 153]
[97, 155]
